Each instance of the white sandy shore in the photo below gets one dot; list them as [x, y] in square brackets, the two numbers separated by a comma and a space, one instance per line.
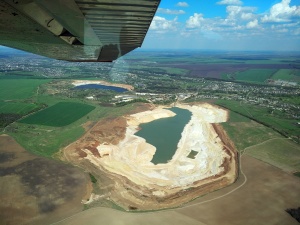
[132, 156]
[102, 82]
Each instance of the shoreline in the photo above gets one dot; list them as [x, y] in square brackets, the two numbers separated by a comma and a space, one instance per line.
[128, 162]
[147, 150]
[102, 82]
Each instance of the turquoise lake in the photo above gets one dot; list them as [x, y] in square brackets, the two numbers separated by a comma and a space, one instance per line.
[165, 134]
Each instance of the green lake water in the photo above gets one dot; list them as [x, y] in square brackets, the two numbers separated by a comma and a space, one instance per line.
[165, 134]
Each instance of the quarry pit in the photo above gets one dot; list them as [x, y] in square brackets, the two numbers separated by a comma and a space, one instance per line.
[121, 161]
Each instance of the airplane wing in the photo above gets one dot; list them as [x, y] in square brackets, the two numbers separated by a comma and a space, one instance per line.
[76, 30]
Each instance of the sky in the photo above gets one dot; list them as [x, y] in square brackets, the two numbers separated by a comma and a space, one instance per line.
[258, 25]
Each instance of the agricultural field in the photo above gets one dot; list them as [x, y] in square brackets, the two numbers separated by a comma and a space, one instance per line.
[48, 140]
[18, 98]
[236, 118]
[18, 89]
[254, 75]
[177, 71]
[43, 140]
[250, 75]
[16, 107]
[273, 120]
[263, 143]
[282, 153]
[268, 159]
[60, 114]
[245, 132]
[287, 75]
[210, 64]
[36, 190]
[261, 195]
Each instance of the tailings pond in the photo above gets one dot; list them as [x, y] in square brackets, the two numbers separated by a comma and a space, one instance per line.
[165, 134]
[100, 86]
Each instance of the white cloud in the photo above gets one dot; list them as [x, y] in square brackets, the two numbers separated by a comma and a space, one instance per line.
[233, 11]
[194, 21]
[252, 24]
[237, 12]
[282, 12]
[161, 24]
[289, 28]
[230, 2]
[247, 16]
[278, 26]
[241, 24]
[182, 4]
[169, 11]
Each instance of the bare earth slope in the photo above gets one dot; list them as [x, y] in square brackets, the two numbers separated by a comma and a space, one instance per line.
[138, 184]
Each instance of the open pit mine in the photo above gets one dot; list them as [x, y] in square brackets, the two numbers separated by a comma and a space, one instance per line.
[121, 161]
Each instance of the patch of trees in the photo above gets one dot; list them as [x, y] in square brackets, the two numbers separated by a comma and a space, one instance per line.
[93, 179]
[106, 104]
[8, 118]
[133, 101]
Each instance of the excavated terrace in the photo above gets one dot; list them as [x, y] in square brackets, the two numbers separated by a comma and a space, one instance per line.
[137, 183]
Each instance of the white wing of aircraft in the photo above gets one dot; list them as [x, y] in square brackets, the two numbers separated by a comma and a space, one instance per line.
[76, 30]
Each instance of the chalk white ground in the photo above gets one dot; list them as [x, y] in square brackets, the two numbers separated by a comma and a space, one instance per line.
[132, 156]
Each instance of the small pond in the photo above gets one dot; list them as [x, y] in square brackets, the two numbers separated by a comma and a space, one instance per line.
[100, 86]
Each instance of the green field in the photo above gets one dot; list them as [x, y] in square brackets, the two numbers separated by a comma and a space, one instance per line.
[287, 74]
[255, 75]
[48, 140]
[16, 89]
[16, 107]
[262, 115]
[45, 141]
[60, 114]
[262, 142]
[234, 117]
[246, 134]
[173, 70]
[282, 153]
